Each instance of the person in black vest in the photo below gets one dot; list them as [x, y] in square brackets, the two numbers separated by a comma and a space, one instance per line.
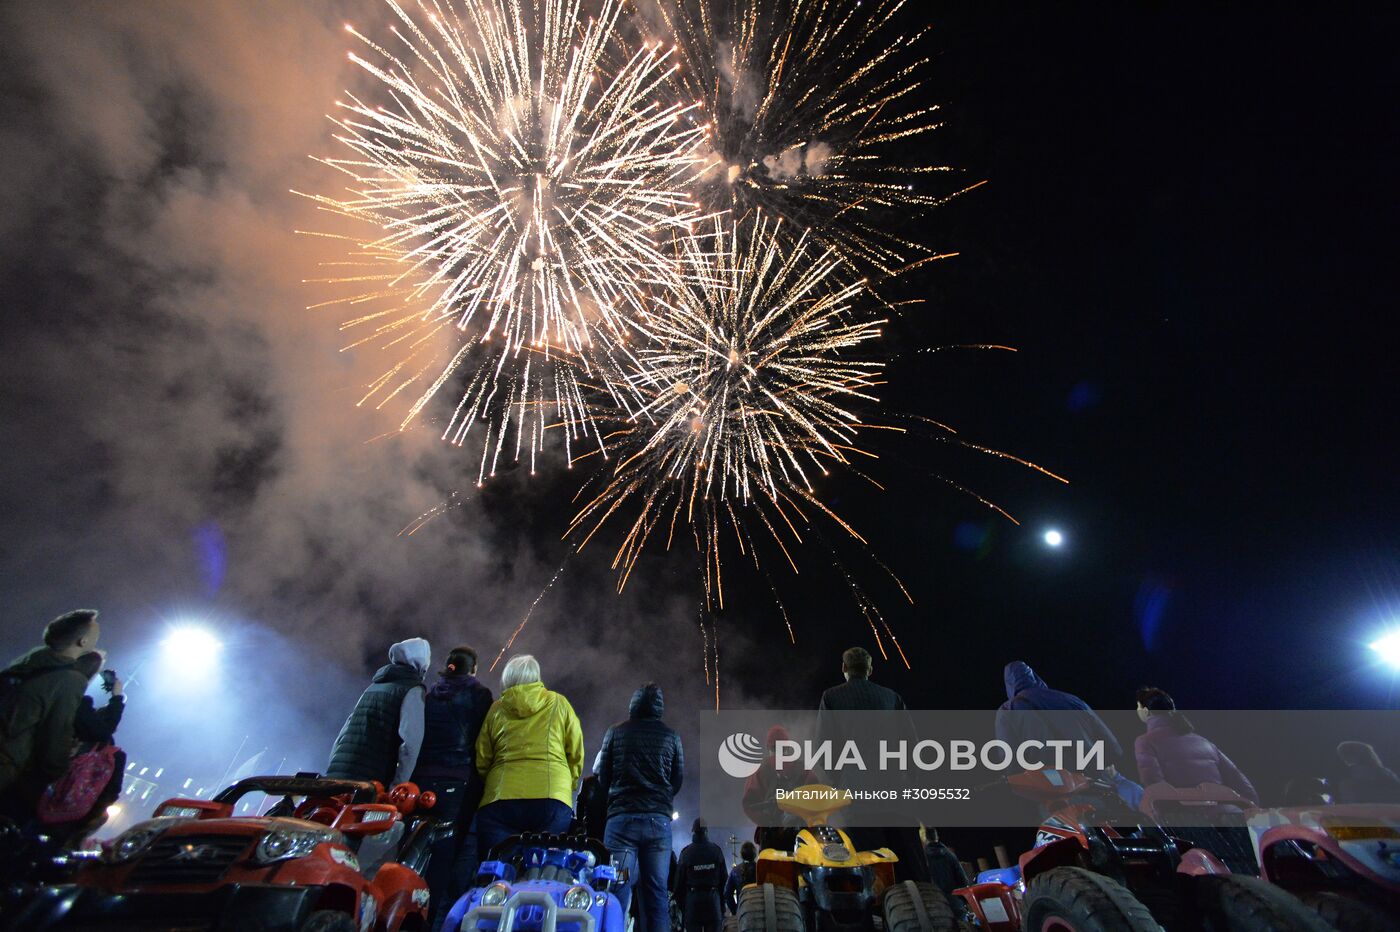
[381, 738]
[700, 880]
[859, 694]
[452, 715]
[743, 874]
[640, 767]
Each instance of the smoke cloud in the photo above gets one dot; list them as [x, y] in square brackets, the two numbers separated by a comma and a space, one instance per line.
[183, 439]
[808, 160]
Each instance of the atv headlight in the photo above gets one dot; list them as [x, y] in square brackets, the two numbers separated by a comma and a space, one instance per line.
[578, 898]
[131, 843]
[282, 844]
[496, 894]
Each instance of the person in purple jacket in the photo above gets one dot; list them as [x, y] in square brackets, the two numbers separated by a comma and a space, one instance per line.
[1171, 751]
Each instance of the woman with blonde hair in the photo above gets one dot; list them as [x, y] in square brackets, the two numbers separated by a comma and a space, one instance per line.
[530, 757]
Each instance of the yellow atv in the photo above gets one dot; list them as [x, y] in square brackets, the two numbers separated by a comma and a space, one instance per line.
[825, 885]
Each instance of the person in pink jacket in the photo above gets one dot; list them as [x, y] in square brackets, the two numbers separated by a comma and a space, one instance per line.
[1172, 752]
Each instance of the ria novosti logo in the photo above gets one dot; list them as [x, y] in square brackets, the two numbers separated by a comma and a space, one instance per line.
[740, 755]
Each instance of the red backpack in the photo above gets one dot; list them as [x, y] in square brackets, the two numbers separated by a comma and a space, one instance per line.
[72, 796]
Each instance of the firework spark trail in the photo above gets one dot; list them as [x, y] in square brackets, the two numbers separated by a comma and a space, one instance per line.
[533, 605]
[437, 511]
[522, 173]
[746, 375]
[806, 102]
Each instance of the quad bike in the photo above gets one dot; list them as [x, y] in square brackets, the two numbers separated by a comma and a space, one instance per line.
[1342, 861]
[824, 884]
[195, 865]
[542, 883]
[1098, 864]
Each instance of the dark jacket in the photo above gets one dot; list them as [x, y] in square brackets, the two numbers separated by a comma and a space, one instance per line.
[641, 764]
[592, 807]
[98, 726]
[1027, 695]
[36, 722]
[700, 880]
[743, 874]
[1367, 782]
[1165, 755]
[367, 747]
[760, 801]
[858, 694]
[452, 715]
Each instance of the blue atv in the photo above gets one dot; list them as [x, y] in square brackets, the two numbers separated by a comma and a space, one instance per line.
[542, 883]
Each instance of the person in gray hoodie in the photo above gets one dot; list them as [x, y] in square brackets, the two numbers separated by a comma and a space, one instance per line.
[384, 732]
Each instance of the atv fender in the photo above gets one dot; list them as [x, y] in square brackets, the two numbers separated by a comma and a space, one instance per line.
[401, 893]
[1067, 852]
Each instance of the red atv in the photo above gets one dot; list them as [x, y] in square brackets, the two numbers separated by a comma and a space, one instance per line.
[1098, 864]
[1342, 861]
[294, 868]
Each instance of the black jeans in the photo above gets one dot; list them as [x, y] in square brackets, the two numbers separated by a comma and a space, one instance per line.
[454, 856]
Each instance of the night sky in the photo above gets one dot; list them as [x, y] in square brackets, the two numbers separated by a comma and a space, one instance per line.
[1186, 233]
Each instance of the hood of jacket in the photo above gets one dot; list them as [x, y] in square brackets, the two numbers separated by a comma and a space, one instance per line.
[524, 700]
[1018, 677]
[647, 702]
[414, 652]
[38, 659]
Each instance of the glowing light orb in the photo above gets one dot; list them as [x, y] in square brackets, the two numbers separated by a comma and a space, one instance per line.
[191, 650]
[1387, 646]
[1054, 538]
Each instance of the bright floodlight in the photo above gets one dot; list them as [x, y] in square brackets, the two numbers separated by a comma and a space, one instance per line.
[1054, 538]
[675, 815]
[1388, 647]
[191, 650]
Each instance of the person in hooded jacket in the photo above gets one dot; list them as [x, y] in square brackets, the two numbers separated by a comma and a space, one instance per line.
[530, 755]
[381, 738]
[742, 874]
[773, 828]
[1071, 719]
[1171, 751]
[641, 766]
[700, 880]
[1365, 779]
[42, 692]
[453, 712]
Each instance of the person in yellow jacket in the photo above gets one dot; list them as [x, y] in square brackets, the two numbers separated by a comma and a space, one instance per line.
[530, 757]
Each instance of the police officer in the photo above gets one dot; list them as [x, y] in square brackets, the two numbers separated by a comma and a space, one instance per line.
[700, 877]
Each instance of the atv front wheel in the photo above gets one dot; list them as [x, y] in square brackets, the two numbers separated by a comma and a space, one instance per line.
[769, 908]
[917, 907]
[329, 920]
[1346, 913]
[1248, 904]
[1072, 899]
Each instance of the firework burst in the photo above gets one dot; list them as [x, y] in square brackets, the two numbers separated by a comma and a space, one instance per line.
[522, 172]
[749, 378]
[807, 103]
